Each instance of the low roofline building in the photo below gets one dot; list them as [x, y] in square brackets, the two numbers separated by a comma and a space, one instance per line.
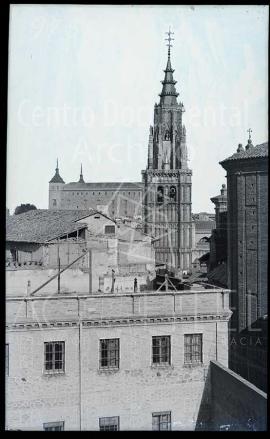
[45, 240]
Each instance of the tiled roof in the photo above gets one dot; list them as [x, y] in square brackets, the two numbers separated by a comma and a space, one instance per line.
[57, 179]
[253, 152]
[196, 277]
[104, 186]
[42, 225]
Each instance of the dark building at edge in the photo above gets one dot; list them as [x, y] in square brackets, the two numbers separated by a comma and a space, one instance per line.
[247, 260]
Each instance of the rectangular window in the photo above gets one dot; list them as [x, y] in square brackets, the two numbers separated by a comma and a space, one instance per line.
[161, 349]
[161, 421]
[109, 229]
[193, 348]
[109, 424]
[7, 359]
[53, 426]
[109, 353]
[54, 356]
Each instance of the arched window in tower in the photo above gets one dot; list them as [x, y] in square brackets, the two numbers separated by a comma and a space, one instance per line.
[167, 135]
[160, 194]
[172, 193]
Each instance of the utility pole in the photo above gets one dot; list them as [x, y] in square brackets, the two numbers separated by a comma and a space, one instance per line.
[90, 271]
[166, 281]
[113, 280]
[56, 275]
[58, 278]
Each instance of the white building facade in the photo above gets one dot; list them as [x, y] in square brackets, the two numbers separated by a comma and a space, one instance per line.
[112, 361]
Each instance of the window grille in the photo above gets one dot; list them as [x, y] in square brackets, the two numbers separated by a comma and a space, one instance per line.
[54, 356]
[109, 424]
[193, 348]
[109, 353]
[54, 426]
[161, 421]
[161, 347]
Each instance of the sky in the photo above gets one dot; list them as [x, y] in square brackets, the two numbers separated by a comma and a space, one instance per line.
[83, 81]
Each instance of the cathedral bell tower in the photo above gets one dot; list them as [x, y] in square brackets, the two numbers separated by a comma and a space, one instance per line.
[167, 179]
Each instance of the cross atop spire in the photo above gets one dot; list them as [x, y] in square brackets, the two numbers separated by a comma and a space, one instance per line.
[169, 39]
[249, 144]
[168, 94]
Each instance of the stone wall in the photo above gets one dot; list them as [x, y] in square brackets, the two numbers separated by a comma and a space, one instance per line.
[122, 202]
[84, 392]
[188, 304]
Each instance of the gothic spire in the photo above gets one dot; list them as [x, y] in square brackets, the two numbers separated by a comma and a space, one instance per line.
[168, 94]
[81, 176]
[56, 178]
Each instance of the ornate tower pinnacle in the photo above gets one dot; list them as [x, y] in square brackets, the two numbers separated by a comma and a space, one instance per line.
[167, 140]
[81, 176]
[168, 94]
[249, 144]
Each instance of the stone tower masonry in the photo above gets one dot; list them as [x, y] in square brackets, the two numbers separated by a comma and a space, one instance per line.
[167, 180]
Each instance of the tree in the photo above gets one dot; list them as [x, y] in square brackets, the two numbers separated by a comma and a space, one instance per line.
[24, 208]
